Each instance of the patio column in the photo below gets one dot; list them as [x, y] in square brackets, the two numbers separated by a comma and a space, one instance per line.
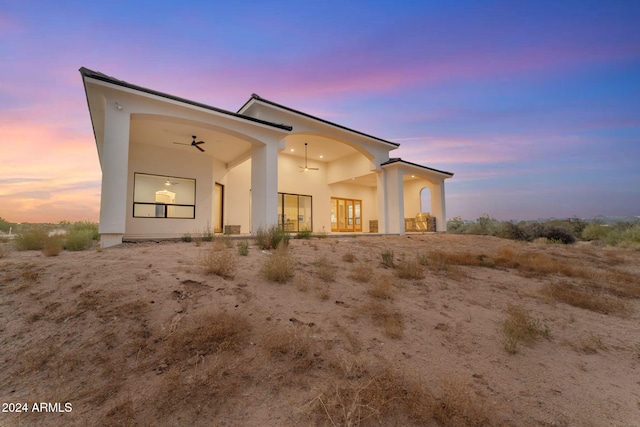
[438, 206]
[264, 185]
[115, 172]
[394, 200]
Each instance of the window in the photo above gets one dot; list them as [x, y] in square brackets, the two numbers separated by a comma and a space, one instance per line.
[157, 196]
[294, 212]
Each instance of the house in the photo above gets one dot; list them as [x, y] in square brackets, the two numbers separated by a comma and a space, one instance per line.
[172, 166]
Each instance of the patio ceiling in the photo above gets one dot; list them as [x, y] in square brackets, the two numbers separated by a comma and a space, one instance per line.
[162, 133]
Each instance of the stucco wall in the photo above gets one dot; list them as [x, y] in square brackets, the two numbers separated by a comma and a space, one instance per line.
[161, 161]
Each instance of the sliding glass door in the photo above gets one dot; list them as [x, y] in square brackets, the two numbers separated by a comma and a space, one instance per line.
[294, 212]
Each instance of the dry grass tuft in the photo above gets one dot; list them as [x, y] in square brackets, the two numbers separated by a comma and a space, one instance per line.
[458, 405]
[52, 246]
[409, 269]
[384, 316]
[382, 288]
[380, 399]
[349, 257]
[584, 297]
[519, 327]
[362, 272]
[325, 270]
[4, 250]
[219, 261]
[205, 334]
[292, 345]
[279, 266]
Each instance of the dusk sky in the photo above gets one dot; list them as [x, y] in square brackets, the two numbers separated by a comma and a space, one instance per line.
[534, 106]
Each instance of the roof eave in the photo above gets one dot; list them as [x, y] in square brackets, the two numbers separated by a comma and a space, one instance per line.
[87, 73]
[395, 160]
[256, 98]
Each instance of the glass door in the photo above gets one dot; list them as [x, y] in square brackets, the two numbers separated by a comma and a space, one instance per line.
[346, 214]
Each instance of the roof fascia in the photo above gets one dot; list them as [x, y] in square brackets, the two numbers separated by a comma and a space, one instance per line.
[256, 98]
[400, 162]
[100, 77]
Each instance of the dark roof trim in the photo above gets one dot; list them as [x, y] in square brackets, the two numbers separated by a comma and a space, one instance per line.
[275, 104]
[85, 72]
[399, 160]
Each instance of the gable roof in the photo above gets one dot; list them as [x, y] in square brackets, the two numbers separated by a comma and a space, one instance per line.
[85, 72]
[404, 162]
[255, 97]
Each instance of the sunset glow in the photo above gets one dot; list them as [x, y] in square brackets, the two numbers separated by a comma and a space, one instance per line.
[535, 106]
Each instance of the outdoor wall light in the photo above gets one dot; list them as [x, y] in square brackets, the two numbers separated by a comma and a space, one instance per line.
[118, 106]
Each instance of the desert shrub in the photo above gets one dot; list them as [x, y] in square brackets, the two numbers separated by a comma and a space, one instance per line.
[349, 257]
[325, 270]
[31, 239]
[207, 333]
[458, 405]
[388, 259]
[382, 288]
[456, 225]
[559, 234]
[382, 315]
[304, 234]
[186, 237]
[52, 246]
[78, 239]
[514, 231]
[89, 227]
[584, 297]
[409, 269]
[293, 345]
[243, 248]
[4, 251]
[363, 398]
[485, 225]
[207, 234]
[519, 327]
[216, 260]
[279, 266]
[271, 238]
[595, 232]
[361, 272]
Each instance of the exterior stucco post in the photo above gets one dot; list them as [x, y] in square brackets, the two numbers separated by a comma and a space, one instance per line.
[115, 167]
[394, 187]
[264, 186]
[382, 204]
[438, 206]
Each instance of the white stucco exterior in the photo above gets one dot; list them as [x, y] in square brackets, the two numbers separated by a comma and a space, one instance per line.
[253, 155]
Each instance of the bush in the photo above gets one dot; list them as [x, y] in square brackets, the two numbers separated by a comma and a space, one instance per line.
[279, 266]
[513, 231]
[595, 232]
[243, 248]
[304, 234]
[186, 237]
[32, 239]
[272, 237]
[52, 246]
[78, 239]
[89, 227]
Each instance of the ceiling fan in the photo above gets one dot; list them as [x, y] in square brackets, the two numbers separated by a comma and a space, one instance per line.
[306, 167]
[193, 143]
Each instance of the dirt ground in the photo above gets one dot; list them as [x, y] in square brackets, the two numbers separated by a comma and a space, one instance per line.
[139, 334]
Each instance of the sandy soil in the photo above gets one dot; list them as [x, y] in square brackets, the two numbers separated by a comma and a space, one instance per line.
[98, 329]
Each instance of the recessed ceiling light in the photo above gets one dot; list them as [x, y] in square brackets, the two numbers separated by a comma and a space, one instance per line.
[413, 176]
[292, 150]
[321, 156]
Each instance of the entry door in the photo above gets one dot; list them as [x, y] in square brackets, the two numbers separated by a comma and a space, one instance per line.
[217, 208]
[346, 214]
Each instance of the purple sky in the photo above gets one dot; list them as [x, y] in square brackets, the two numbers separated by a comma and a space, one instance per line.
[535, 106]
